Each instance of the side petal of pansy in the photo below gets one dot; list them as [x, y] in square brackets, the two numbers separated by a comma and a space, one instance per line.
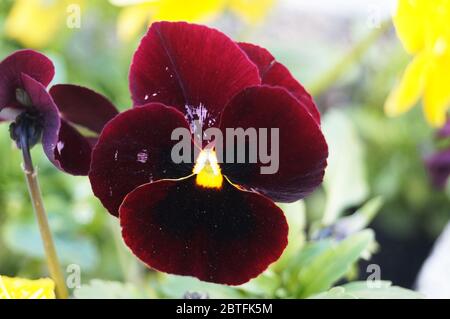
[225, 235]
[298, 155]
[67, 149]
[134, 149]
[32, 63]
[191, 67]
[274, 73]
[83, 106]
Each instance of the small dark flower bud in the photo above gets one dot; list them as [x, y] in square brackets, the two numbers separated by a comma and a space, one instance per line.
[27, 128]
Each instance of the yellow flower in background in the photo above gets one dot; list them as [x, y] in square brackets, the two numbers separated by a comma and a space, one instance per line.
[35, 23]
[424, 30]
[138, 13]
[18, 288]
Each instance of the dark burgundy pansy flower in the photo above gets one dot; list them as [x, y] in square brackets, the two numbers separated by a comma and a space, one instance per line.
[53, 116]
[217, 222]
[438, 164]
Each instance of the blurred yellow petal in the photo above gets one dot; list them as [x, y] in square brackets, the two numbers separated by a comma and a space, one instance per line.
[410, 88]
[34, 23]
[251, 11]
[18, 288]
[188, 10]
[410, 20]
[437, 92]
[132, 21]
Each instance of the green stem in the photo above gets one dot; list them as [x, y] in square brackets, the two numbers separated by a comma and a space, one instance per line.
[38, 206]
[356, 52]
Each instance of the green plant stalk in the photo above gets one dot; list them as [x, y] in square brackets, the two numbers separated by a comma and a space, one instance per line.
[46, 235]
[356, 52]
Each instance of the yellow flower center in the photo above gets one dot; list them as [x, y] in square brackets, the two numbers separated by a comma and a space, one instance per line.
[208, 170]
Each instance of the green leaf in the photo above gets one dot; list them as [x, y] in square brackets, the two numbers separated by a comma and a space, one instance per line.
[25, 239]
[332, 264]
[99, 289]
[369, 290]
[345, 181]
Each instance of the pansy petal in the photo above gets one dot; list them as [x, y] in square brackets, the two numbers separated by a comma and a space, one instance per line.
[439, 168]
[191, 67]
[411, 20]
[276, 74]
[44, 104]
[298, 167]
[133, 149]
[32, 63]
[82, 106]
[407, 92]
[436, 94]
[72, 151]
[225, 236]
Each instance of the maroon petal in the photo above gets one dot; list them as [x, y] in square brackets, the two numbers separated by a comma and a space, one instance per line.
[133, 149]
[439, 168]
[226, 236]
[73, 151]
[82, 106]
[44, 104]
[192, 67]
[303, 151]
[276, 74]
[32, 63]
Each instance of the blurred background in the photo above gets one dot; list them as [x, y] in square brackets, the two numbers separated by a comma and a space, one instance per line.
[346, 53]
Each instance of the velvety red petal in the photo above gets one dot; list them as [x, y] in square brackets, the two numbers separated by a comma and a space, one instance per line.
[194, 68]
[44, 104]
[225, 236]
[276, 74]
[133, 149]
[72, 151]
[82, 106]
[303, 150]
[32, 63]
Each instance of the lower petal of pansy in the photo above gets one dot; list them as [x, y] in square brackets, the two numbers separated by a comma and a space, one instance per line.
[32, 63]
[82, 106]
[276, 74]
[134, 149]
[285, 167]
[225, 235]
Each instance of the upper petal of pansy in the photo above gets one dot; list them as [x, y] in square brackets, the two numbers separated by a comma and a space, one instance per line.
[32, 63]
[225, 235]
[191, 67]
[276, 74]
[298, 155]
[133, 149]
[82, 106]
